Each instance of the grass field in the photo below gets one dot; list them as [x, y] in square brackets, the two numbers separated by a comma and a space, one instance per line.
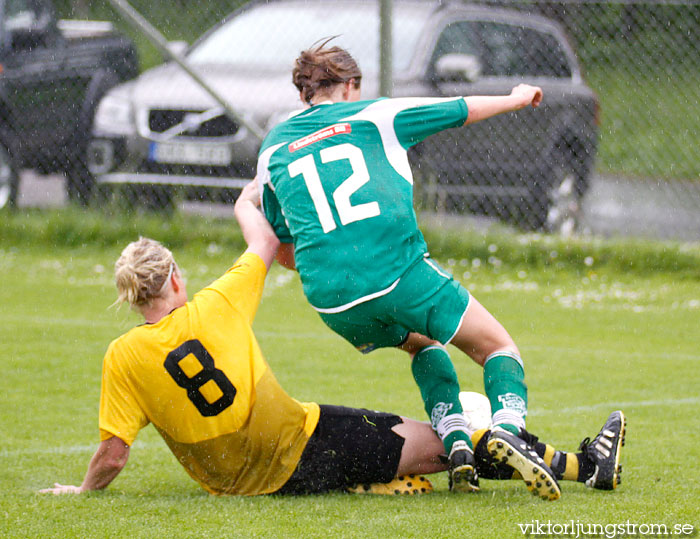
[594, 340]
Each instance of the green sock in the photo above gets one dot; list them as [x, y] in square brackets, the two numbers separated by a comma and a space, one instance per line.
[437, 380]
[504, 382]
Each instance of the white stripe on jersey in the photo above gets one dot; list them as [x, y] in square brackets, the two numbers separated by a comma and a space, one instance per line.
[382, 113]
[263, 173]
[264, 161]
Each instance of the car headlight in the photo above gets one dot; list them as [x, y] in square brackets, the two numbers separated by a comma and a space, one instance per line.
[114, 116]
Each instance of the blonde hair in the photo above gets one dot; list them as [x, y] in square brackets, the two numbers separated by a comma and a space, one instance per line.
[142, 271]
[319, 69]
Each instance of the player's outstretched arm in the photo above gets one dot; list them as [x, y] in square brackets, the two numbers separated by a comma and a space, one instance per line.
[257, 232]
[484, 106]
[109, 459]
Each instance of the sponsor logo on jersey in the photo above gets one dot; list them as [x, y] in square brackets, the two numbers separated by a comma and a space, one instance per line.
[326, 132]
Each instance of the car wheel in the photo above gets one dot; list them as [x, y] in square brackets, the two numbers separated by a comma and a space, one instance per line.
[79, 184]
[562, 210]
[9, 179]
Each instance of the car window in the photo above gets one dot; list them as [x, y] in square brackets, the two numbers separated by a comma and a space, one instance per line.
[20, 15]
[245, 42]
[516, 50]
[25, 24]
[504, 50]
[459, 37]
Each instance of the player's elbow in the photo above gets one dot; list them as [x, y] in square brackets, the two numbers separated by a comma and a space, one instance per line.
[113, 454]
[111, 467]
[114, 462]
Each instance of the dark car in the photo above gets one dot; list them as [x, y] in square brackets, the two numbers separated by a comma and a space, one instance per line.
[52, 75]
[529, 167]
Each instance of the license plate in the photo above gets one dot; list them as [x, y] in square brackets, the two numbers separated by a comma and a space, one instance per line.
[190, 154]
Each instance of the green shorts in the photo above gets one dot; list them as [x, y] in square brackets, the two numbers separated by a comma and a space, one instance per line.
[426, 300]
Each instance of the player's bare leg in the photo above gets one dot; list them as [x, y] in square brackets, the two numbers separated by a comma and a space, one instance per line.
[421, 449]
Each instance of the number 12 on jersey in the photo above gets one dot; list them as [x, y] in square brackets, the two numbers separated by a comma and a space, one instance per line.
[306, 167]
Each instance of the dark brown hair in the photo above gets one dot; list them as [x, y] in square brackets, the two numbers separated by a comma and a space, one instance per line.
[321, 68]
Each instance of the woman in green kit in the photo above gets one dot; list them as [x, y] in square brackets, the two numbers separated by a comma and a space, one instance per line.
[338, 190]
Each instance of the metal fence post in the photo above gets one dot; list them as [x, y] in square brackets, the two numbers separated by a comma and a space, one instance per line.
[385, 48]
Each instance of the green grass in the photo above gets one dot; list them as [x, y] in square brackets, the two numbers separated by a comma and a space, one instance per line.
[452, 239]
[595, 338]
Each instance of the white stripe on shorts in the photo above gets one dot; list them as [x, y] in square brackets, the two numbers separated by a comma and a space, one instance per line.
[437, 268]
[461, 319]
[350, 305]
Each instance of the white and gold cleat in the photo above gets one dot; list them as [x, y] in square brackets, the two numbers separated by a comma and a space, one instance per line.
[509, 449]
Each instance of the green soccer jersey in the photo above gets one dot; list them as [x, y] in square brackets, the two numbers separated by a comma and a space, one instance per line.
[337, 183]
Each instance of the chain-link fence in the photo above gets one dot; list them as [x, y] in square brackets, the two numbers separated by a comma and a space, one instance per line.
[615, 140]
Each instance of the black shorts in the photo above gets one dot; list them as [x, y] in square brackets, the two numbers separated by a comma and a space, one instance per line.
[350, 446]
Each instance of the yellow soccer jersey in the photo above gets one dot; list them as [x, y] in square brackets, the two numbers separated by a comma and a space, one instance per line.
[199, 376]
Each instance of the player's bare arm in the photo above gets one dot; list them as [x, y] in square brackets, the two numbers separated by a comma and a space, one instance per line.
[484, 106]
[109, 459]
[257, 232]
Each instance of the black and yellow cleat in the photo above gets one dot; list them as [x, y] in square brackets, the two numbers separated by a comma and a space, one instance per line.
[509, 449]
[462, 469]
[403, 484]
[604, 451]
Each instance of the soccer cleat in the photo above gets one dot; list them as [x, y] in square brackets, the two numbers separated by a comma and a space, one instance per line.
[403, 484]
[604, 451]
[521, 456]
[462, 469]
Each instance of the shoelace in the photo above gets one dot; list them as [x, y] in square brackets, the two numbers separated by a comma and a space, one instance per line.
[584, 445]
[529, 438]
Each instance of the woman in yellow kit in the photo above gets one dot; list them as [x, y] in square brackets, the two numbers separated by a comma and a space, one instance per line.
[195, 370]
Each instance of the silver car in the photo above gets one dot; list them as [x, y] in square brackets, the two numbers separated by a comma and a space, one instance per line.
[530, 167]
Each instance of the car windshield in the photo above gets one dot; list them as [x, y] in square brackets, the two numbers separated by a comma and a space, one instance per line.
[270, 37]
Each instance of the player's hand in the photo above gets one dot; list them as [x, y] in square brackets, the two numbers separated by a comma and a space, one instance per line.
[528, 95]
[250, 193]
[61, 489]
